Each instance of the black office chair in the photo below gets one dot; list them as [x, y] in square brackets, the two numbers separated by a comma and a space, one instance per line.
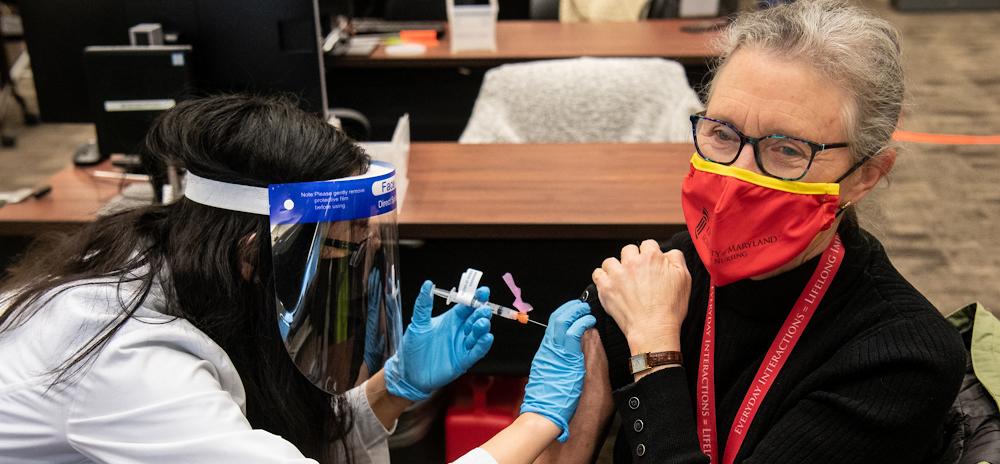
[432, 10]
[657, 9]
[544, 9]
[355, 124]
[661, 9]
[415, 10]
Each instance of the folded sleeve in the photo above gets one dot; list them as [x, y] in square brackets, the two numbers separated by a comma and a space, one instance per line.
[368, 438]
[164, 393]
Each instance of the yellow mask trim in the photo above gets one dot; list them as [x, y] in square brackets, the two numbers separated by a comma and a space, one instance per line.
[805, 188]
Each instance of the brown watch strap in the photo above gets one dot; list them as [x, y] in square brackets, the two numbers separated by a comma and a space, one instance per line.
[664, 357]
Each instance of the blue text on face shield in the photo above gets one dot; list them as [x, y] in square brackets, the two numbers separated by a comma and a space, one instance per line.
[335, 200]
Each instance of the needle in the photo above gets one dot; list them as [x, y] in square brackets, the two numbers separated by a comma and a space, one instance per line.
[538, 323]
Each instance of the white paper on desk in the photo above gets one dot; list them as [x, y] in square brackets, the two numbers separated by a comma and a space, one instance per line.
[15, 196]
[362, 46]
[397, 153]
[699, 8]
[374, 39]
[362, 49]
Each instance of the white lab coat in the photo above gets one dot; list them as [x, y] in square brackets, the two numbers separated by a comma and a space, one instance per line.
[161, 391]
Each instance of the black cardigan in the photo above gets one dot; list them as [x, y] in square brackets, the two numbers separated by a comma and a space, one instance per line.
[870, 380]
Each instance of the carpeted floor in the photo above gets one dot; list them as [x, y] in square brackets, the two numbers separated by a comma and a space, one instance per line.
[940, 211]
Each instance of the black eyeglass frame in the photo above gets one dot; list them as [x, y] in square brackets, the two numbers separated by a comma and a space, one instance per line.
[753, 141]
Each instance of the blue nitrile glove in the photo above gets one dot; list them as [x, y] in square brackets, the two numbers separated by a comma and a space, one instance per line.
[556, 378]
[436, 351]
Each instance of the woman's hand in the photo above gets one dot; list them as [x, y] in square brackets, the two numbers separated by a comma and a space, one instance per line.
[436, 351]
[646, 293]
[556, 378]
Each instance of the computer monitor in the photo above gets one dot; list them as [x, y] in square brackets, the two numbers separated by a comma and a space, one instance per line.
[256, 46]
[129, 86]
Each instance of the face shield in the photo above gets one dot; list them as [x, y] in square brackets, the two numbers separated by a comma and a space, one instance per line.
[335, 257]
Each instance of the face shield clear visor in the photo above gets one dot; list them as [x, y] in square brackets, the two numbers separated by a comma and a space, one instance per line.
[335, 258]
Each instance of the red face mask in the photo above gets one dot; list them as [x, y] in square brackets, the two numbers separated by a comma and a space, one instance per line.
[745, 224]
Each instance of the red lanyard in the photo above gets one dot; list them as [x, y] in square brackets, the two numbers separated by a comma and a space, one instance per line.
[780, 349]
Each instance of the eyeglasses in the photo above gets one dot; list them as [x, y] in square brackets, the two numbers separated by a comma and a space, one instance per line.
[778, 156]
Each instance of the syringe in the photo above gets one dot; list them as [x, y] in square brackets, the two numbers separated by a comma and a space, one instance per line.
[502, 311]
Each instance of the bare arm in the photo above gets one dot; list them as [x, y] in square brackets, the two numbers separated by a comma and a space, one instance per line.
[521, 441]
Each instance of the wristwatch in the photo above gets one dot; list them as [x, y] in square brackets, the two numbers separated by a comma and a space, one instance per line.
[645, 361]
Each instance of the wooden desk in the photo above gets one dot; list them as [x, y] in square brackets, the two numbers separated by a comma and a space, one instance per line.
[555, 191]
[75, 199]
[439, 89]
[538, 40]
[559, 191]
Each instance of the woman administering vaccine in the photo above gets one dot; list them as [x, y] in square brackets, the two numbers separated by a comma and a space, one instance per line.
[254, 320]
[776, 330]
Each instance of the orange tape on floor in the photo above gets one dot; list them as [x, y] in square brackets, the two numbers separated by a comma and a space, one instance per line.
[945, 139]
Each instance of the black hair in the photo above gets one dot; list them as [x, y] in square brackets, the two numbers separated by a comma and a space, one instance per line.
[214, 265]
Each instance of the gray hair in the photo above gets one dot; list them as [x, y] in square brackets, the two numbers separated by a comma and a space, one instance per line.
[854, 48]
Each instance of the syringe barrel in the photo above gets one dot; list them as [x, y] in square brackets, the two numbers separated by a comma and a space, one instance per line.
[502, 311]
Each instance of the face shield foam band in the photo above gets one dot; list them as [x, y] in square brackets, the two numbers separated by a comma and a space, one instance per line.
[254, 200]
[223, 195]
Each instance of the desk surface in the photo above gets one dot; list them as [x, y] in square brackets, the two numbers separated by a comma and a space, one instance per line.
[593, 191]
[536, 40]
[75, 198]
[544, 191]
